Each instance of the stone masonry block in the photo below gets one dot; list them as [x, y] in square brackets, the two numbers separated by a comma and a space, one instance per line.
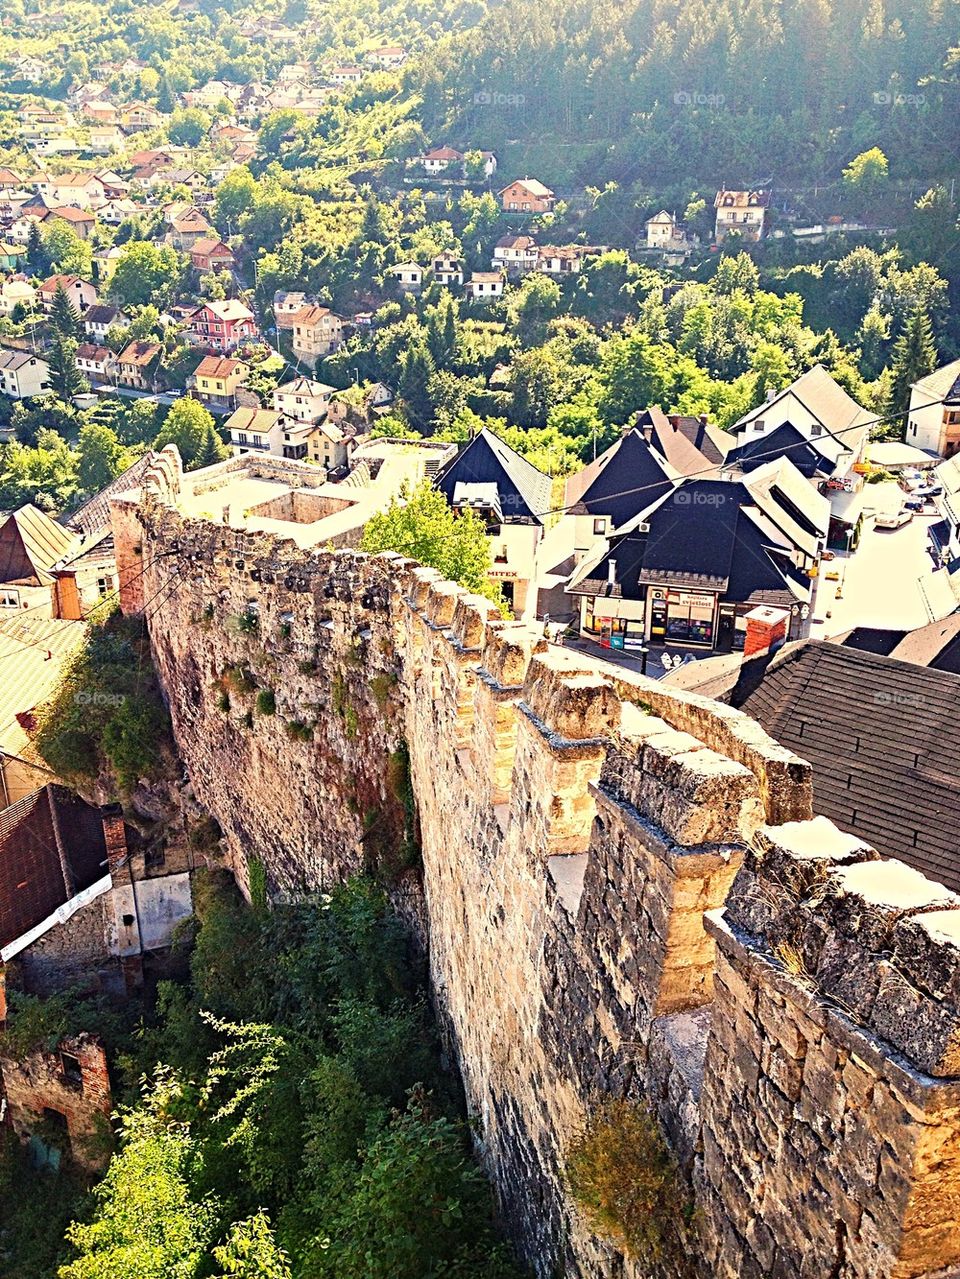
[927, 952]
[577, 705]
[868, 900]
[925, 1030]
[507, 650]
[470, 617]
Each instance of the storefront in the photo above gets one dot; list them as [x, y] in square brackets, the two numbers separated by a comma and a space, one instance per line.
[681, 617]
[615, 623]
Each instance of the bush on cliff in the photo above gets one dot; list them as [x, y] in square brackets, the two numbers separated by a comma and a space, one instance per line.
[107, 715]
[624, 1179]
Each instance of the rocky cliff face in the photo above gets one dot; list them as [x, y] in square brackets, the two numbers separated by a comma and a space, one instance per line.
[575, 828]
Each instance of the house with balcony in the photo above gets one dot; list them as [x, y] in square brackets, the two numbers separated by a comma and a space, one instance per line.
[933, 418]
[515, 255]
[743, 212]
[211, 254]
[221, 326]
[527, 195]
[408, 275]
[303, 399]
[316, 331]
[256, 430]
[447, 269]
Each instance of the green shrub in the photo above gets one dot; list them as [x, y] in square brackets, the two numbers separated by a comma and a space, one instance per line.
[107, 712]
[266, 702]
[351, 721]
[381, 686]
[240, 679]
[248, 623]
[299, 731]
[257, 881]
[624, 1179]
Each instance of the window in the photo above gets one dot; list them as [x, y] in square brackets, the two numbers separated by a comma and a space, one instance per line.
[9, 599]
[104, 586]
[70, 1066]
[816, 430]
[600, 527]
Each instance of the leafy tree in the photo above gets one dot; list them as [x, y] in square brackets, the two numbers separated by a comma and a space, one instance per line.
[188, 127]
[914, 356]
[146, 273]
[66, 380]
[736, 272]
[236, 195]
[867, 172]
[634, 373]
[64, 316]
[422, 526]
[532, 307]
[187, 425]
[45, 475]
[251, 1252]
[37, 260]
[147, 1224]
[101, 457]
[65, 252]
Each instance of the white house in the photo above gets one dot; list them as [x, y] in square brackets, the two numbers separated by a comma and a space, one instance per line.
[485, 286]
[14, 293]
[303, 399]
[447, 269]
[95, 362]
[933, 419]
[515, 254]
[22, 374]
[741, 211]
[408, 275]
[254, 430]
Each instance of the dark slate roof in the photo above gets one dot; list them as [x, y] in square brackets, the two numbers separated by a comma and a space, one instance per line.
[706, 535]
[523, 491]
[32, 882]
[883, 737]
[94, 514]
[786, 441]
[628, 479]
[936, 645]
[688, 443]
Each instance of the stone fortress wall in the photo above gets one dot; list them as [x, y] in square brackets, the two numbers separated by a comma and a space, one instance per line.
[625, 891]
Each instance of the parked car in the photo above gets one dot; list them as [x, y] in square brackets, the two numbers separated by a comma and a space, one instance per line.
[915, 503]
[928, 490]
[895, 519]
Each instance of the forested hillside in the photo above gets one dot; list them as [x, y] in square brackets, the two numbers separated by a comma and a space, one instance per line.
[678, 89]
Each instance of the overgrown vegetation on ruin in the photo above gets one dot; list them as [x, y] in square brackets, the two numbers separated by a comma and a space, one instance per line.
[624, 1179]
[107, 715]
[293, 1116]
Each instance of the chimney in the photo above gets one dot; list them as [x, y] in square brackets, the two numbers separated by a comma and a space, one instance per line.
[704, 419]
[771, 393]
[611, 572]
[674, 420]
[766, 630]
[114, 836]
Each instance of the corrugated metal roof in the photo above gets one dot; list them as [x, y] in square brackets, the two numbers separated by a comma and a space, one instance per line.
[30, 544]
[33, 654]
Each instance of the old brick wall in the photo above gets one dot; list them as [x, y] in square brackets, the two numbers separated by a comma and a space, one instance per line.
[576, 826]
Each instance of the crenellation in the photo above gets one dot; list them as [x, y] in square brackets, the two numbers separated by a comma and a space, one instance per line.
[622, 889]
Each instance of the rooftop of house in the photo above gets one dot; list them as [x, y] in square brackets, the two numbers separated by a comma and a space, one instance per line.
[784, 441]
[936, 645]
[305, 386]
[12, 358]
[206, 246]
[629, 477]
[93, 516]
[34, 651]
[882, 736]
[825, 400]
[218, 366]
[943, 384]
[139, 353]
[486, 464]
[253, 420]
[30, 544]
[741, 199]
[532, 185]
[229, 309]
[52, 848]
[90, 351]
[101, 313]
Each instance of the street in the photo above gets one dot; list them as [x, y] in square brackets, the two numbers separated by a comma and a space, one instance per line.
[880, 584]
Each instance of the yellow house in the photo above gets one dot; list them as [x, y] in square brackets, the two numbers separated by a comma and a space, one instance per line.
[217, 380]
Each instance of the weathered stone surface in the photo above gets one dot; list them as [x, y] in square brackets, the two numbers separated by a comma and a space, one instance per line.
[576, 827]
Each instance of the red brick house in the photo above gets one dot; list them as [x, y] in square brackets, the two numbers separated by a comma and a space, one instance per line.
[527, 195]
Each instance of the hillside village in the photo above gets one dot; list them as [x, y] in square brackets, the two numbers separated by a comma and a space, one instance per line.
[479, 650]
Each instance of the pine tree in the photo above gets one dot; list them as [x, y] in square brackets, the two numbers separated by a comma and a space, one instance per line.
[442, 331]
[64, 316]
[165, 99]
[36, 257]
[211, 448]
[914, 356]
[416, 369]
[66, 380]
